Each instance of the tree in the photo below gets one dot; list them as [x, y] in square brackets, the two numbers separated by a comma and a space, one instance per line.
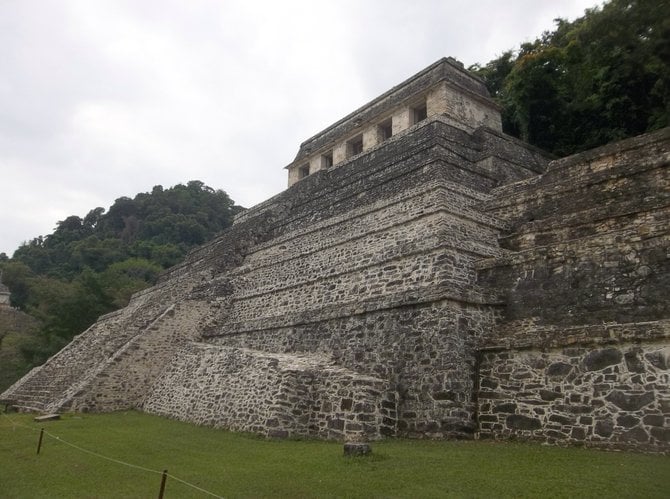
[88, 267]
[120, 280]
[16, 276]
[597, 79]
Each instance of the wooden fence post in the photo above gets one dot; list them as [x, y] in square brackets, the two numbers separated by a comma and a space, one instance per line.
[39, 443]
[163, 479]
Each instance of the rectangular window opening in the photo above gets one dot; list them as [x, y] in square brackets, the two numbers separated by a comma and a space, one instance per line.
[355, 146]
[327, 159]
[385, 129]
[303, 171]
[419, 113]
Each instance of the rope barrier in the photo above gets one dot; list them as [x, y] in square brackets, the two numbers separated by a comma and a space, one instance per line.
[194, 486]
[102, 456]
[15, 424]
[130, 465]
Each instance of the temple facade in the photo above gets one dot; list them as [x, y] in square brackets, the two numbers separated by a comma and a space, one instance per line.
[444, 89]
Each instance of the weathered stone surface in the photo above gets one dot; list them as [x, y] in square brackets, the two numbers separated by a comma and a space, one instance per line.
[508, 408]
[661, 434]
[604, 428]
[600, 359]
[564, 420]
[558, 369]
[446, 281]
[597, 408]
[633, 362]
[630, 401]
[521, 422]
[654, 420]
[627, 421]
[550, 395]
[636, 435]
[357, 449]
[659, 359]
[578, 434]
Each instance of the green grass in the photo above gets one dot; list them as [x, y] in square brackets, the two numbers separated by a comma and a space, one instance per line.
[237, 465]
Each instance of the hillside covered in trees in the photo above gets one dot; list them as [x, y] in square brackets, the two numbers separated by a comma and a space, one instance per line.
[600, 78]
[91, 266]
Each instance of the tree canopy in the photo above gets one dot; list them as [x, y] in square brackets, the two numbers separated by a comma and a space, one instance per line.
[90, 266]
[600, 78]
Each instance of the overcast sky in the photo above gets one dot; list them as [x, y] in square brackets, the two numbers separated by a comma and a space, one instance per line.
[102, 99]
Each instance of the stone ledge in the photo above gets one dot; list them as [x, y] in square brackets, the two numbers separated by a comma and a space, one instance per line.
[534, 336]
[473, 250]
[560, 251]
[642, 141]
[423, 296]
[535, 159]
[592, 217]
[516, 193]
[438, 186]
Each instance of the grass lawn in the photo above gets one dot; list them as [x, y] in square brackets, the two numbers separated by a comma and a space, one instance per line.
[237, 465]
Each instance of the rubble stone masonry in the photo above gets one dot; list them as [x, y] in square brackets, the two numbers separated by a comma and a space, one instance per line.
[445, 281]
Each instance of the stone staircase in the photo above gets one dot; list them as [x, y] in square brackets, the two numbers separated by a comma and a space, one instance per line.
[46, 388]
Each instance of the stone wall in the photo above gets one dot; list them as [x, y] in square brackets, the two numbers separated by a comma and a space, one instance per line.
[272, 394]
[375, 268]
[581, 352]
[444, 283]
[597, 255]
[614, 396]
[425, 351]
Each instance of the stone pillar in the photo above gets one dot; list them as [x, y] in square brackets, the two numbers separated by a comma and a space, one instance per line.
[292, 175]
[339, 153]
[436, 100]
[402, 120]
[314, 164]
[370, 137]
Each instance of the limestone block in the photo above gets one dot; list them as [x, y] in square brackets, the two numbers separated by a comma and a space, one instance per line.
[339, 153]
[437, 100]
[370, 137]
[401, 120]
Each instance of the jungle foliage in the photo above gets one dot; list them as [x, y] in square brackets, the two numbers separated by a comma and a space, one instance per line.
[598, 79]
[91, 266]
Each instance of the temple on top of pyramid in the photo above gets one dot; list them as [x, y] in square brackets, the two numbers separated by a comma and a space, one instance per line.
[444, 88]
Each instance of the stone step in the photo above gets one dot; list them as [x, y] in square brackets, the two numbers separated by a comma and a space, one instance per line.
[47, 417]
[630, 220]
